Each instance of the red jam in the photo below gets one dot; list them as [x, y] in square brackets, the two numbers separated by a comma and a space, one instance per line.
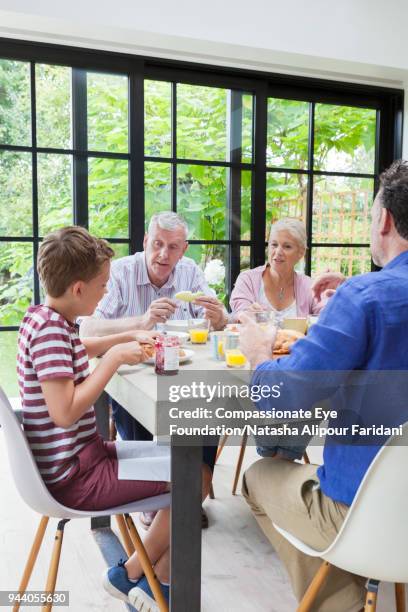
[167, 355]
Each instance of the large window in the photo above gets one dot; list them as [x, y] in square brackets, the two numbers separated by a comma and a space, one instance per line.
[106, 140]
[321, 168]
[198, 162]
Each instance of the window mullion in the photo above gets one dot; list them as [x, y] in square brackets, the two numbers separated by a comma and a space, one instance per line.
[174, 147]
[234, 185]
[309, 203]
[80, 144]
[34, 182]
[258, 212]
[136, 170]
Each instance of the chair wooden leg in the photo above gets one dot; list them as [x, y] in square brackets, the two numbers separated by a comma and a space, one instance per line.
[211, 493]
[306, 457]
[55, 558]
[32, 557]
[239, 463]
[371, 597]
[314, 587]
[400, 597]
[126, 539]
[220, 447]
[146, 565]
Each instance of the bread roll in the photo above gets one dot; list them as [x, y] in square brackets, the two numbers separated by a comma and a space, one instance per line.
[285, 338]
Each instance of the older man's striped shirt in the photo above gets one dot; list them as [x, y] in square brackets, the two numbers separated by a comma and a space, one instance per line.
[49, 348]
[130, 291]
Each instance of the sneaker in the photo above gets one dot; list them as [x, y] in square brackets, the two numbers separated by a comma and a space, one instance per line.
[146, 519]
[142, 598]
[117, 583]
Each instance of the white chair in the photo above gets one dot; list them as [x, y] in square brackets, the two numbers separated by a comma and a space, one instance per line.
[36, 495]
[373, 540]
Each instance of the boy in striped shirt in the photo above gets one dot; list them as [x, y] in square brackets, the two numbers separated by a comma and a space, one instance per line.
[79, 468]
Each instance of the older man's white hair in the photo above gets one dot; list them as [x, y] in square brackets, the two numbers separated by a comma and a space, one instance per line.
[169, 221]
[294, 227]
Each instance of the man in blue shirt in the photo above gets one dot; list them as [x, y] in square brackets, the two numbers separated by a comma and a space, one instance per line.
[364, 327]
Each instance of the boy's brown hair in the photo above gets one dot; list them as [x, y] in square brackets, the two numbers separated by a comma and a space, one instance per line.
[68, 255]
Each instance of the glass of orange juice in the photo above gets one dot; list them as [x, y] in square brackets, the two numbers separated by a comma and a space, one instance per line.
[234, 358]
[198, 331]
[217, 345]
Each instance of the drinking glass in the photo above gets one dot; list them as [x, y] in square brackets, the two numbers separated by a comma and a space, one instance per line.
[198, 331]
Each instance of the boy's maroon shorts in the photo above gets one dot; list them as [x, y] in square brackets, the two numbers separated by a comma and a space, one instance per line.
[94, 485]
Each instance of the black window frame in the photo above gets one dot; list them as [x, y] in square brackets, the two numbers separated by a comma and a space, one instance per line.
[388, 103]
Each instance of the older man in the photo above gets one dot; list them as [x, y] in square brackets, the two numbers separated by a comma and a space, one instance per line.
[142, 286]
[363, 327]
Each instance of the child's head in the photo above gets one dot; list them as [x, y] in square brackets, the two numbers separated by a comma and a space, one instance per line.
[71, 257]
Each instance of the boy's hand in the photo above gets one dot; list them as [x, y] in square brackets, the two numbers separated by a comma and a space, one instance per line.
[145, 337]
[129, 353]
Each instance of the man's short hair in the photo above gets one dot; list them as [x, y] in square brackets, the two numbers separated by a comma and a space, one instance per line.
[394, 195]
[169, 221]
[68, 255]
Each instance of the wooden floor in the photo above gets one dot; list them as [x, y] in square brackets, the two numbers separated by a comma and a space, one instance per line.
[241, 572]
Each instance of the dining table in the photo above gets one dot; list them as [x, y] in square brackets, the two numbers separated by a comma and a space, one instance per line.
[136, 389]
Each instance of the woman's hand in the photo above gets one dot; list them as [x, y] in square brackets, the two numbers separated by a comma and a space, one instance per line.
[327, 284]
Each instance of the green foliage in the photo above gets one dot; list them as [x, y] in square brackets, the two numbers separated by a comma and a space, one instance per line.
[16, 281]
[108, 197]
[343, 135]
[107, 112]
[53, 106]
[15, 121]
[8, 353]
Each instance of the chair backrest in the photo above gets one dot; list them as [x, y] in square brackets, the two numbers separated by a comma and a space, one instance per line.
[23, 467]
[373, 540]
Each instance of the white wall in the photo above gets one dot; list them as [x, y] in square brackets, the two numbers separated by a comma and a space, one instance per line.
[353, 40]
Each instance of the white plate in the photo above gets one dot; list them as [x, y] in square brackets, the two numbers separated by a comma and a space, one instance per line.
[188, 355]
[181, 324]
[182, 336]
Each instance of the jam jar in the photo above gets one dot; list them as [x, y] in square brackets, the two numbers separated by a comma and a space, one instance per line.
[167, 355]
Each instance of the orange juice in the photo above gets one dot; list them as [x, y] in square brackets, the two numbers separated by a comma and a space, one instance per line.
[234, 358]
[220, 348]
[198, 336]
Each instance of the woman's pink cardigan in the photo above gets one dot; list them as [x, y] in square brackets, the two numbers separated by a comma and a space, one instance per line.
[248, 284]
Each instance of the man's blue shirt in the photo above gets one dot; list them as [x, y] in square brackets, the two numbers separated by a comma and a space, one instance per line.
[363, 327]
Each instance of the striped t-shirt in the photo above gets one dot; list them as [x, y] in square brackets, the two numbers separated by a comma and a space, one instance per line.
[130, 290]
[49, 347]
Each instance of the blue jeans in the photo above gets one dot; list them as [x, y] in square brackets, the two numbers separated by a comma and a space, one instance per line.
[290, 452]
[126, 426]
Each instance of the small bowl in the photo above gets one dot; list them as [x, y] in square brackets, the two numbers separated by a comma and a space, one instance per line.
[182, 325]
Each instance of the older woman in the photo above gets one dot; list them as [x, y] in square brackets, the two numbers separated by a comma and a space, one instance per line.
[276, 285]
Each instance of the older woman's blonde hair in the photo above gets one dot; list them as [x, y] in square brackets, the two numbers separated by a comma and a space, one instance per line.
[294, 227]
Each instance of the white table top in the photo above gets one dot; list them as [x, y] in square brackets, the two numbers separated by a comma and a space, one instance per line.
[135, 387]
